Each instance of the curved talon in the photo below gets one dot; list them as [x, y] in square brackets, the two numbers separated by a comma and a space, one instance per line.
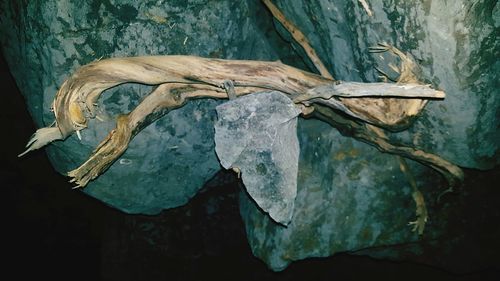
[41, 138]
[448, 190]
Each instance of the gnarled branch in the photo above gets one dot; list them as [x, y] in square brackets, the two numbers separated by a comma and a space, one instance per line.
[74, 102]
[182, 78]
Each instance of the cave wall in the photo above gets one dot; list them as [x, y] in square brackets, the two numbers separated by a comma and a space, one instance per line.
[350, 196]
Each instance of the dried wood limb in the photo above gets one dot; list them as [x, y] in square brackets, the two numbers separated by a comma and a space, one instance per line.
[118, 139]
[74, 102]
[452, 173]
[357, 90]
[164, 98]
[421, 209]
[299, 37]
[334, 95]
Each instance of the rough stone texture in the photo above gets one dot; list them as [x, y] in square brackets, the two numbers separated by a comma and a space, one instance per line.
[348, 199]
[165, 165]
[257, 134]
[455, 43]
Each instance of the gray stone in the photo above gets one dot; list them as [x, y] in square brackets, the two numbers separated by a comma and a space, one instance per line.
[349, 197]
[166, 164]
[257, 134]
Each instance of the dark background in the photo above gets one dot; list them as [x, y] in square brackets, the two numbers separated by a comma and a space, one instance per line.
[51, 231]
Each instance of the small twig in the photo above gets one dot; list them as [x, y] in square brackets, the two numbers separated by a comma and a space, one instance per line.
[366, 7]
[164, 98]
[452, 173]
[299, 37]
[418, 197]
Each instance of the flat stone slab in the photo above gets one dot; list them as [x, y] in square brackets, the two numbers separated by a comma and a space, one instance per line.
[257, 134]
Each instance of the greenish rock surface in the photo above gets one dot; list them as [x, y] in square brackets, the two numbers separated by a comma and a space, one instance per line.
[347, 199]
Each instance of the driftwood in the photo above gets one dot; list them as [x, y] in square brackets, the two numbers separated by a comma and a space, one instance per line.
[75, 100]
[353, 108]
[182, 78]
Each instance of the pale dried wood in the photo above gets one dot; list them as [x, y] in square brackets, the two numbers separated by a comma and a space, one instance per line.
[357, 89]
[160, 101]
[74, 102]
[182, 77]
